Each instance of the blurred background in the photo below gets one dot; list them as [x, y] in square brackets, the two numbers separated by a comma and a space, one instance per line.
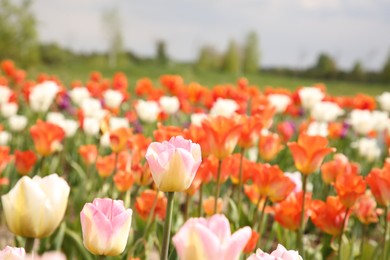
[343, 43]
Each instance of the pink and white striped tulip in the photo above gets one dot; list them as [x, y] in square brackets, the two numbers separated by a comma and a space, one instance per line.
[12, 253]
[209, 239]
[173, 164]
[280, 253]
[106, 226]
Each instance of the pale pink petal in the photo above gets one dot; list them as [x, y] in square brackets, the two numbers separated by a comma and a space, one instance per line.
[237, 243]
[220, 226]
[180, 142]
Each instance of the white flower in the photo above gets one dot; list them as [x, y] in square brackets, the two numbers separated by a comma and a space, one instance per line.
[118, 122]
[17, 123]
[78, 95]
[55, 118]
[70, 127]
[253, 154]
[170, 105]
[295, 177]
[9, 109]
[5, 137]
[326, 111]
[42, 96]
[309, 96]
[361, 121]
[91, 126]
[317, 128]
[92, 108]
[113, 98]
[105, 140]
[5, 94]
[197, 118]
[279, 101]
[384, 101]
[380, 119]
[224, 107]
[367, 148]
[147, 111]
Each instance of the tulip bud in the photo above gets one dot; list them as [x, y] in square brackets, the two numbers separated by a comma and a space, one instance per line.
[12, 253]
[106, 225]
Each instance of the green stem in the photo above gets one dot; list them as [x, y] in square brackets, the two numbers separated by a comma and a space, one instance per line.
[102, 257]
[363, 241]
[218, 185]
[186, 206]
[240, 182]
[262, 213]
[342, 233]
[167, 227]
[300, 245]
[384, 254]
[200, 200]
[29, 245]
[254, 219]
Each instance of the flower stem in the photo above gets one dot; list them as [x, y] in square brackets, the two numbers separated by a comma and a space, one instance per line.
[363, 241]
[218, 185]
[262, 213]
[167, 227]
[240, 182]
[341, 233]
[186, 206]
[301, 230]
[29, 245]
[384, 254]
[200, 200]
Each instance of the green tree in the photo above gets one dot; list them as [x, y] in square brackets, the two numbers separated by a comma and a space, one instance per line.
[325, 66]
[231, 59]
[18, 33]
[251, 59]
[161, 53]
[357, 72]
[208, 59]
[385, 74]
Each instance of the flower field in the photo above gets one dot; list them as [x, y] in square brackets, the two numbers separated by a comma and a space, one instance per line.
[178, 170]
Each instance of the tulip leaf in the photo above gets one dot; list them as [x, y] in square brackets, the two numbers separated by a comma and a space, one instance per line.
[60, 237]
[79, 243]
[78, 169]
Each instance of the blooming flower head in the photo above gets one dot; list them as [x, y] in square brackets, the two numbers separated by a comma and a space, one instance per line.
[47, 137]
[143, 204]
[280, 253]
[173, 164]
[210, 239]
[24, 161]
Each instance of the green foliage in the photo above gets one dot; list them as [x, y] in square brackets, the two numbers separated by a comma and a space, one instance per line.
[18, 34]
[161, 53]
[325, 67]
[385, 75]
[231, 62]
[357, 72]
[208, 59]
[52, 53]
[251, 57]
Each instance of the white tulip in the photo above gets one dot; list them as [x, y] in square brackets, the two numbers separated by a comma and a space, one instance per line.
[9, 109]
[118, 122]
[170, 105]
[279, 101]
[42, 96]
[317, 128]
[224, 107]
[5, 94]
[367, 148]
[105, 140]
[91, 108]
[91, 126]
[5, 137]
[384, 101]
[326, 111]
[197, 118]
[380, 119]
[309, 96]
[147, 111]
[113, 98]
[17, 123]
[361, 121]
[35, 207]
[78, 95]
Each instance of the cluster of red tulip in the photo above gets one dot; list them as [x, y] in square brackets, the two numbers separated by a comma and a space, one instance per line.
[264, 158]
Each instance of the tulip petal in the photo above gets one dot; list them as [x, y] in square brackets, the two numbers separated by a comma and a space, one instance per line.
[237, 243]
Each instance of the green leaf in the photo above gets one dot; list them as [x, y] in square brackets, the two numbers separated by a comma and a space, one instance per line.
[79, 243]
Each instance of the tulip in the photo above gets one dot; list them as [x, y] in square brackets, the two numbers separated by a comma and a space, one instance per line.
[35, 207]
[112, 98]
[208, 206]
[281, 253]
[5, 157]
[210, 239]
[24, 161]
[88, 153]
[12, 253]
[349, 188]
[47, 137]
[169, 105]
[119, 138]
[173, 164]
[147, 111]
[143, 204]
[269, 146]
[251, 245]
[105, 225]
[17, 123]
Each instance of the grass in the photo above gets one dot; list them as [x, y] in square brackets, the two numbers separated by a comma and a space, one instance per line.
[80, 71]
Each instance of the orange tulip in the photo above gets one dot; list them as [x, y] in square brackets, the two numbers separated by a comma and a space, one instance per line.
[88, 153]
[105, 166]
[269, 146]
[142, 174]
[251, 245]
[251, 128]
[5, 157]
[286, 130]
[144, 204]
[231, 166]
[339, 165]
[309, 152]
[222, 134]
[208, 206]
[365, 209]
[123, 180]
[288, 212]
[198, 135]
[119, 138]
[165, 133]
[349, 188]
[47, 137]
[24, 161]
[379, 182]
[328, 216]
[269, 181]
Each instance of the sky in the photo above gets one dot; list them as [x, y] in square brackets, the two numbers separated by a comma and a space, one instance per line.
[291, 32]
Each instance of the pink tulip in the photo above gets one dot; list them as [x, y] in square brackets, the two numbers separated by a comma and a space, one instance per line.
[210, 239]
[173, 164]
[12, 253]
[106, 225]
[281, 253]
